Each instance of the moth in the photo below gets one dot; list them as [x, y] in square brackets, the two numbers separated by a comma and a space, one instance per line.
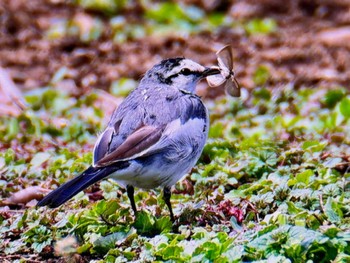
[225, 66]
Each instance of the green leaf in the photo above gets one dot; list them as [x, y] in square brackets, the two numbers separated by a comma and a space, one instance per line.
[144, 223]
[148, 225]
[293, 209]
[314, 146]
[9, 156]
[332, 97]
[170, 252]
[294, 242]
[261, 75]
[262, 93]
[38, 247]
[332, 211]
[103, 244]
[344, 107]
[106, 6]
[216, 130]
[168, 12]
[331, 231]
[234, 254]
[210, 249]
[12, 129]
[304, 177]
[261, 26]
[163, 224]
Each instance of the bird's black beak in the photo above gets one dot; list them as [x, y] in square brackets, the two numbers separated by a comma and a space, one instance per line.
[210, 71]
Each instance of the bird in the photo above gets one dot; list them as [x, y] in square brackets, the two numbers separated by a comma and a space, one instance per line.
[153, 138]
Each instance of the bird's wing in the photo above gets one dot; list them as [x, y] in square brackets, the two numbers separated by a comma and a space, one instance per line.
[103, 143]
[143, 137]
[135, 145]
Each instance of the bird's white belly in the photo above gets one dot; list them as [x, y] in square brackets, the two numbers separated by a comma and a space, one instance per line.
[151, 176]
[182, 144]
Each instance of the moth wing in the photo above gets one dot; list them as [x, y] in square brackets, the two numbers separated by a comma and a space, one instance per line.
[232, 87]
[225, 57]
[215, 80]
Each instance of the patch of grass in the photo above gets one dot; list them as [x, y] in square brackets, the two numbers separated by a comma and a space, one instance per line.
[272, 184]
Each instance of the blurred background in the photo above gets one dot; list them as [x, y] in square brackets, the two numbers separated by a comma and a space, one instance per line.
[273, 181]
[96, 43]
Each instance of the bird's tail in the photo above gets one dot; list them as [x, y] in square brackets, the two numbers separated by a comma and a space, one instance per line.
[69, 189]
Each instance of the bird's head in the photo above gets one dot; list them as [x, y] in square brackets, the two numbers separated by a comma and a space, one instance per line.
[180, 73]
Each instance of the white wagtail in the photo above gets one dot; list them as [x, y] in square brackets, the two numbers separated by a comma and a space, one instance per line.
[153, 138]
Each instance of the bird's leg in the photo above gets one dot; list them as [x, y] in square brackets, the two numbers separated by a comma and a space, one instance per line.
[166, 197]
[130, 191]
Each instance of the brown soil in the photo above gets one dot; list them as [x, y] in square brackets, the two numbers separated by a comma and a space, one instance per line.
[311, 46]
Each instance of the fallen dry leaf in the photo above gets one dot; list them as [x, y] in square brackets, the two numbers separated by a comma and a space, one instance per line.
[26, 195]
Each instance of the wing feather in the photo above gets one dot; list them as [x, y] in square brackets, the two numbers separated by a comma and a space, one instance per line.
[134, 145]
[102, 144]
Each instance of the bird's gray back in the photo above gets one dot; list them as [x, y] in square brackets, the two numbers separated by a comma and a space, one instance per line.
[155, 106]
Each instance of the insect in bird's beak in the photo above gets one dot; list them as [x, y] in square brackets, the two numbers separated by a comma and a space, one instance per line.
[225, 73]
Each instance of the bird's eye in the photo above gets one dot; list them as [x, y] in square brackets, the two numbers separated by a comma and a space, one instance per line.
[185, 71]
